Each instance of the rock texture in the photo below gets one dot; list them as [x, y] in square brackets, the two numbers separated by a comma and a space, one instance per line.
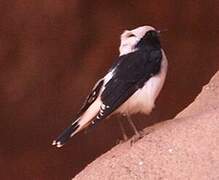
[186, 147]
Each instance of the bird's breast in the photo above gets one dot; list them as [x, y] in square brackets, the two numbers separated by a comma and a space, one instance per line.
[143, 100]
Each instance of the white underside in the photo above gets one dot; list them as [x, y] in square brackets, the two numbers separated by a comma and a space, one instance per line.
[143, 100]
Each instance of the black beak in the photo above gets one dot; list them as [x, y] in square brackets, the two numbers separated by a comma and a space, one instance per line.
[161, 31]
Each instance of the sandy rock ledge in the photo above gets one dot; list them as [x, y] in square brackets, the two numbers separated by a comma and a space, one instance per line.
[186, 147]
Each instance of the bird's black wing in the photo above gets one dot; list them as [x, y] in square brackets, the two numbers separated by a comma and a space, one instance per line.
[130, 74]
[91, 97]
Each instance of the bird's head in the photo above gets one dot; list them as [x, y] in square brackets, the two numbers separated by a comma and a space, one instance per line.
[141, 37]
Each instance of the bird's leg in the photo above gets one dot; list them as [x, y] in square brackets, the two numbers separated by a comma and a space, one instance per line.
[138, 135]
[132, 125]
[125, 137]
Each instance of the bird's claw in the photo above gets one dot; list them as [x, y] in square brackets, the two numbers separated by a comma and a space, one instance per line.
[136, 137]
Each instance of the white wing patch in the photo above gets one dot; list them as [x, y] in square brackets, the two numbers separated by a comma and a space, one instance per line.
[108, 76]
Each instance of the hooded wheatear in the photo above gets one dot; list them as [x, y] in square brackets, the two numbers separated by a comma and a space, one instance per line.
[131, 85]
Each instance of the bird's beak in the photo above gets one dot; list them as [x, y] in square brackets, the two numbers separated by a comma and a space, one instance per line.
[161, 31]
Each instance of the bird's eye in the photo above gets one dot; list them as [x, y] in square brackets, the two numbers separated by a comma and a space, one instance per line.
[131, 35]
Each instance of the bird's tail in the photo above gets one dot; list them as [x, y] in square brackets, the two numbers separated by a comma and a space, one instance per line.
[81, 123]
[68, 133]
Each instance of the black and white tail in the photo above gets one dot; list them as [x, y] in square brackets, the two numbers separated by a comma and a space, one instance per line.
[67, 134]
[82, 122]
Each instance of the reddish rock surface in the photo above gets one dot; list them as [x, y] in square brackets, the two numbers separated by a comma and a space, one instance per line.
[186, 147]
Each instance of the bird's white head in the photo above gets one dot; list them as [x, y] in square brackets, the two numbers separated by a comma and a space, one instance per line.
[130, 38]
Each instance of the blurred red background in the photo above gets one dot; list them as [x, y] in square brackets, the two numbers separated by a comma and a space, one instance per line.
[51, 54]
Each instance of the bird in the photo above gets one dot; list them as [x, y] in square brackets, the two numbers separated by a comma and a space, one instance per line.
[131, 85]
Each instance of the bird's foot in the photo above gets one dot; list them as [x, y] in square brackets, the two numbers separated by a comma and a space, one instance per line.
[140, 135]
[136, 137]
[123, 140]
